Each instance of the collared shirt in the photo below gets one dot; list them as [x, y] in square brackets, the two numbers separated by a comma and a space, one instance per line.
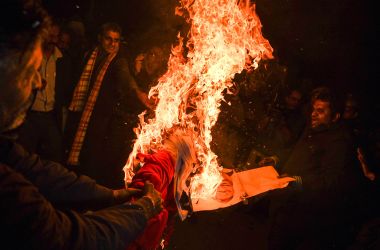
[45, 98]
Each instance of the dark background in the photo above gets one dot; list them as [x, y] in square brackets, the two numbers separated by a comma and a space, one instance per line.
[327, 42]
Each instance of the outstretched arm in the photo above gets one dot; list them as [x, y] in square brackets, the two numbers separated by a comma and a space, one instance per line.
[30, 221]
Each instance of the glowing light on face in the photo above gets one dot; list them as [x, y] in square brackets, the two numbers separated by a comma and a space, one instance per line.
[224, 38]
[321, 114]
[110, 41]
[24, 83]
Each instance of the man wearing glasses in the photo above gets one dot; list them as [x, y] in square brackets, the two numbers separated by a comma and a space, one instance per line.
[102, 114]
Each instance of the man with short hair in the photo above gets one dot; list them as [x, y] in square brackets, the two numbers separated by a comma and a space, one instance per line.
[38, 197]
[309, 213]
[103, 102]
[41, 133]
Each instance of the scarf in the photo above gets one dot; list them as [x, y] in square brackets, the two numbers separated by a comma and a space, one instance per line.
[79, 102]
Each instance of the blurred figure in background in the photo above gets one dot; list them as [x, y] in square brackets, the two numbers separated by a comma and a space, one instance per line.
[148, 68]
[65, 75]
[293, 121]
[41, 133]
[293, 113]
[360, 134]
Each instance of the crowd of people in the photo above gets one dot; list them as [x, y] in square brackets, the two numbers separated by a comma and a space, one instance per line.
[67, 114]
[44, 205]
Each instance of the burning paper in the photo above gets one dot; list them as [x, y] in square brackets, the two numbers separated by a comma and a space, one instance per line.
[224, 38]
[237, 187]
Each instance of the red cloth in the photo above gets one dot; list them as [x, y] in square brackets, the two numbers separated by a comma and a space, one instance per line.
[159, 170]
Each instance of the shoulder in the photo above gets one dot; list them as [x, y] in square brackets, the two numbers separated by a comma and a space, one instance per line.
[342, 130]
[121, 61]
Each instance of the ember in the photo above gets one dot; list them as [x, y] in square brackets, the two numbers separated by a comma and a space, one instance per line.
[224, 38]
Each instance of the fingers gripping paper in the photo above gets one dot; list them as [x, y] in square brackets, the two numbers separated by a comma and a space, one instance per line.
[237, 186]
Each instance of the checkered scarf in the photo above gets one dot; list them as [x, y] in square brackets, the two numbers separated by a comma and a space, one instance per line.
[79, 102]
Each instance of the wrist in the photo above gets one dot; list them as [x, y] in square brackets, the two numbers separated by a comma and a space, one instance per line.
[147, 204]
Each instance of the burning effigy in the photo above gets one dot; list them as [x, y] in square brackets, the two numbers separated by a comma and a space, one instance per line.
[224, 39]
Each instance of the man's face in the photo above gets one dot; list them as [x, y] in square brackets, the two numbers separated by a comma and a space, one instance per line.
[225, 190]
[153, 60]
[64, 41]
[25, 82]
[350, 111]
[321, 114]
[54, 34]
[293, 99]
[110, 41]
[53, 37]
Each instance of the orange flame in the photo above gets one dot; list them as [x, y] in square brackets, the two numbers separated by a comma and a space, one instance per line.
[225, 38]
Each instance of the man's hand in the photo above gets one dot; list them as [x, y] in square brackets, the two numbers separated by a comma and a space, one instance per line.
[143, 97]
[125, 194]
[370, 175]
[139, 63]
[153, 195]
[269, 161]
[296, 181]
[283, 182]
[151, 200]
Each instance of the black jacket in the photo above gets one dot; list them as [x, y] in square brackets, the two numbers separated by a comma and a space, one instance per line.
[325, 159]
[31, 190]
[109, 137]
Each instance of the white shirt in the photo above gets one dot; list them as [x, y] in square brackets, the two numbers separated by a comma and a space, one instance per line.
[46, 97]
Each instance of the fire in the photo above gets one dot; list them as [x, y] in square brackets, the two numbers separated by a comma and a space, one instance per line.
[225, 38]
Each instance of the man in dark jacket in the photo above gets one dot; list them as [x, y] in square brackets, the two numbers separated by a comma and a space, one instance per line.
[36, 195]
[104, 100]
[311, 211]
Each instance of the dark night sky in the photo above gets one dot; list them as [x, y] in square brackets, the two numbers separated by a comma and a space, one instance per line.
[328, 42]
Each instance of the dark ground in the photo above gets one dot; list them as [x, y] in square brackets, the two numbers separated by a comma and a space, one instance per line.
[238, 227]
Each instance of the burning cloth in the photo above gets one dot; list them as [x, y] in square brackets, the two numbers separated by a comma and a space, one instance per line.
[159, 168]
